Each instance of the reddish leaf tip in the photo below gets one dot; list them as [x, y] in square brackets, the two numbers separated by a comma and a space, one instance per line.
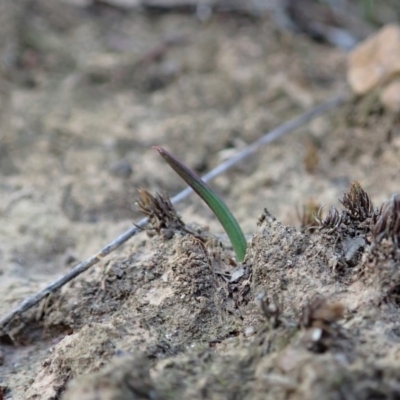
[158, 148]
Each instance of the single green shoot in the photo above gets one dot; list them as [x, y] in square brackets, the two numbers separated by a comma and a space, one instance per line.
[217, 206]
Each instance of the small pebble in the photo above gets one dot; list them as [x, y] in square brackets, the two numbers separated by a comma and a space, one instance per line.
[121, 169]
[249, 331]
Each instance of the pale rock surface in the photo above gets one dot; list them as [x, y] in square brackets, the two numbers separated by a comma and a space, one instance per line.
[390, 97]
[375, 61]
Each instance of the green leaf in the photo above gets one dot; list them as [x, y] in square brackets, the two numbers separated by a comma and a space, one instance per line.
[218, 207]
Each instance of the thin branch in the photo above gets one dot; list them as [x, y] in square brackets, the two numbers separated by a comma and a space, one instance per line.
[247, 151]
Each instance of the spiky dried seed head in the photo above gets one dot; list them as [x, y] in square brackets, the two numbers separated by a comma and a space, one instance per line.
[357, 203]
[386, 223]
[160, 211]
[332, 220]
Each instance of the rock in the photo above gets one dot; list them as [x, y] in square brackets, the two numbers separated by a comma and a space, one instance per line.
[390, 97]
[376, 60]
[121, 169]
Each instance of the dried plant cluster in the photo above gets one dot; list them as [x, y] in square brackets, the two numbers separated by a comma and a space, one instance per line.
[356, 215]
[383, 259]
[357, 204]
[349, 228]
[386, 222]
[161, 213]
[366, 238]
[331, 222]
[360, 218]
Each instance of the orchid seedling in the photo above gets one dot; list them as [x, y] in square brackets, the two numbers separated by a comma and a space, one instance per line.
[217, 206]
